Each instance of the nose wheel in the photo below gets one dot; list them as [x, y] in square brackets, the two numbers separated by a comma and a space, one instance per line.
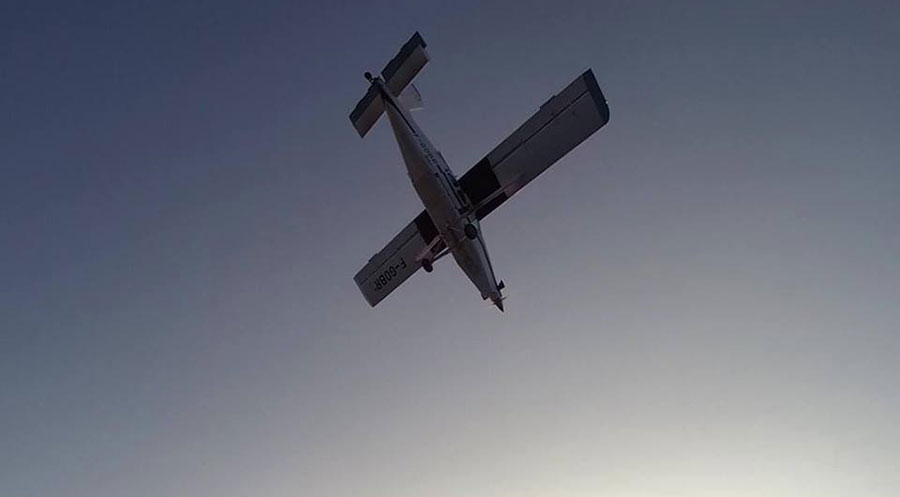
[471, 231]
[426, 265]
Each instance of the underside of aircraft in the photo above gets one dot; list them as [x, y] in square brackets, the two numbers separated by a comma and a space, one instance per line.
[449, 224]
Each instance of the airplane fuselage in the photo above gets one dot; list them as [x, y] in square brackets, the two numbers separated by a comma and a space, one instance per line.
[444, 200]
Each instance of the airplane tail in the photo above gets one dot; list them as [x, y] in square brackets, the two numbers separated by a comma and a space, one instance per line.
[397, 75]
[411, 98]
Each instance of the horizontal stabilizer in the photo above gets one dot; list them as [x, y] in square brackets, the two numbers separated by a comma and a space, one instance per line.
[367, 111]
[397, 74]
[401, 70]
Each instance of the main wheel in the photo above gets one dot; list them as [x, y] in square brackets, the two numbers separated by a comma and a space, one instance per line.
[426, 265]
[471, 231]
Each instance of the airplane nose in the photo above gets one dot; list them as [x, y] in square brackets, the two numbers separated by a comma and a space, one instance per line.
[499, 303]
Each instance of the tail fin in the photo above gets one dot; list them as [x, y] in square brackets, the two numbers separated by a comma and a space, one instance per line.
[411, 98]
[397, 74]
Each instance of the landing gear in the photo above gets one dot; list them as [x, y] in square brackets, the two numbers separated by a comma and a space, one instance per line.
[471, 231]
[426, 265]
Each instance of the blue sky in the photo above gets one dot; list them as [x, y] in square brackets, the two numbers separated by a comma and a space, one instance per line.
[702, 296]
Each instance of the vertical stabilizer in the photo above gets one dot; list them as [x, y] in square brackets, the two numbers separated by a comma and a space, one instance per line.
[411, 98]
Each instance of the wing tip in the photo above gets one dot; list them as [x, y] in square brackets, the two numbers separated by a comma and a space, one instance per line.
[599, 99]
[416, 39]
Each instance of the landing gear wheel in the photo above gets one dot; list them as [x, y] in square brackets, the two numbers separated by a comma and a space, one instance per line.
[471, 231]
[426, 265]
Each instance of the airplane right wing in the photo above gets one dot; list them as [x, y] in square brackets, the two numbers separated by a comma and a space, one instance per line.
[399, 259]
[562, 123]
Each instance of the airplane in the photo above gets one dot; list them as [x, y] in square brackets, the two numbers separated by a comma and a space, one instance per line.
[454, 207]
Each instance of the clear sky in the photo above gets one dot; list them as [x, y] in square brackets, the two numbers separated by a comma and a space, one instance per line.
[703, 297]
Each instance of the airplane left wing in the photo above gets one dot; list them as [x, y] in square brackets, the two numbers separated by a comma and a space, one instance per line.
[563, 122]
[399, 259]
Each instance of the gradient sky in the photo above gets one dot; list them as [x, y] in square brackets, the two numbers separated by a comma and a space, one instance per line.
[703, 297]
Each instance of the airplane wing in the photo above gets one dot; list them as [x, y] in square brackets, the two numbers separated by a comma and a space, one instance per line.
[399, 259]
[563, 122]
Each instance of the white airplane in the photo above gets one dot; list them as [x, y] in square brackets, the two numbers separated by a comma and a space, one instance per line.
[454, 207]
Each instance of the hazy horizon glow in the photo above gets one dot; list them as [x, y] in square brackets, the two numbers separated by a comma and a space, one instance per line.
[702, 298]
